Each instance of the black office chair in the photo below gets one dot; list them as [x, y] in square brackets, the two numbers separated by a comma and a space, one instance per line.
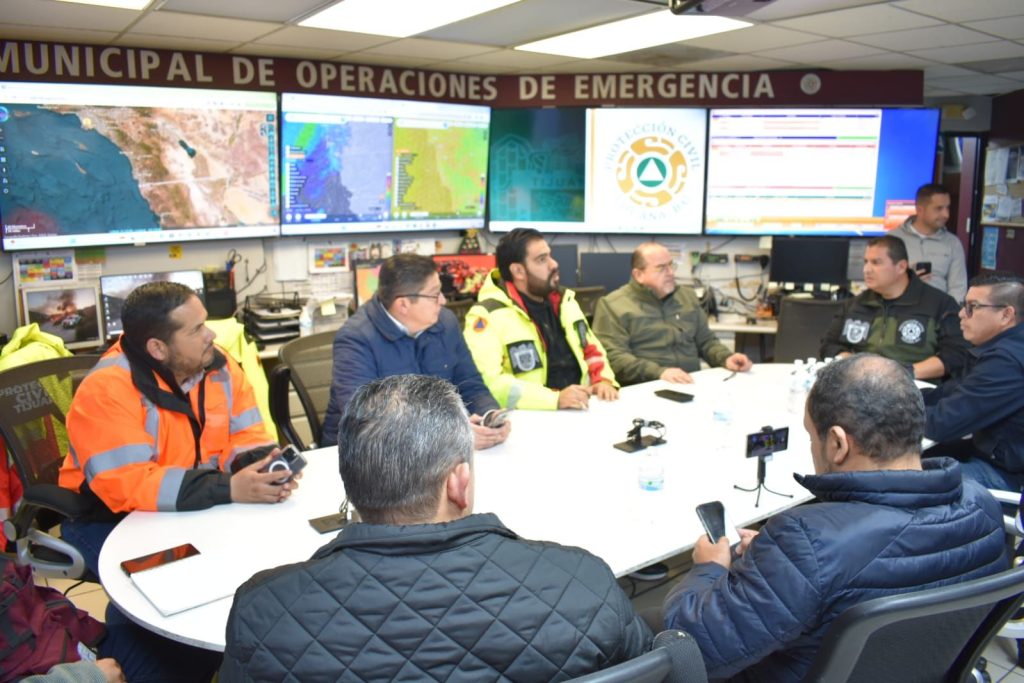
[675, 657]
[802, 325]
[587, 298]
[306, 364]
[33, 405]
[933, 636]
[460, 308]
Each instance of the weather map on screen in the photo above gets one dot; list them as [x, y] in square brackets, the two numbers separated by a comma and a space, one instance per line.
[94, 164]
[355, 164]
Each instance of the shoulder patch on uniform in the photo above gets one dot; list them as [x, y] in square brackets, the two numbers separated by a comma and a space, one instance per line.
[491, 305]
[480, 325]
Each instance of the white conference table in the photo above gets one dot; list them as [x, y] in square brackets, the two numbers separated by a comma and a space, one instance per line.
[556, 478]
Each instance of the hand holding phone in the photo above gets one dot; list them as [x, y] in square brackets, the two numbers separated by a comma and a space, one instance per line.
[494, 418]
[923, 267]
[288, 462]
[716, 522]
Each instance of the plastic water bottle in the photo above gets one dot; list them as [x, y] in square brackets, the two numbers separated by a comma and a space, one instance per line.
[797, 387]
[651, 473]
[306, 319]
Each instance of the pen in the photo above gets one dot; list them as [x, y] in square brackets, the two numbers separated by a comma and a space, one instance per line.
[731, 375]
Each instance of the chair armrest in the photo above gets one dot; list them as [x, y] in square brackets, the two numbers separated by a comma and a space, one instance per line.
[59, 499]
[279, 385]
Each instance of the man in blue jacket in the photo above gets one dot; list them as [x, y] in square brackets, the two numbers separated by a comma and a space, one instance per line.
[987, 399]
[886, 523]
[405, 329]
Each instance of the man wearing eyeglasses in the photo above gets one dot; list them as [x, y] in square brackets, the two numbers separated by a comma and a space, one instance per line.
[987, 398]
[405, 329]
[654, 329]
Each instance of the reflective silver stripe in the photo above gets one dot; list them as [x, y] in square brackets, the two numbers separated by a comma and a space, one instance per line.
[74, 456]
[210, 464]
[515, 392]
[118, 457]
[118, 361]
[224, 376]
[170, 485]
[247, 419]
[152, 421]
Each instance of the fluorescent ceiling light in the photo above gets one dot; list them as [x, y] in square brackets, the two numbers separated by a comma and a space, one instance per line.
[398, 18]
[635, 33]
[120, 4]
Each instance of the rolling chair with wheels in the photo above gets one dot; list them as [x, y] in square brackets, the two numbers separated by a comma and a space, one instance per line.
[306, 365]
[33, 406]
[674, 657]
[802, 325]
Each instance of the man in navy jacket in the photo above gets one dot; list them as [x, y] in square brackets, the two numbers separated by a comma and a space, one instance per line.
[987, 399]
[885, 523]
[405, 329]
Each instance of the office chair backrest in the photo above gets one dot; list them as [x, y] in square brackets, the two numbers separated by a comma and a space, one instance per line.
[934, 635]
[674, 657]
[587, 298]
[34, 401]
[460, 308]
[802, 325]
[306, 364]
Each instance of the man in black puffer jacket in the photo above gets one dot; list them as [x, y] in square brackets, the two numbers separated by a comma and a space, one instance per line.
[423, 589]
[884, 524]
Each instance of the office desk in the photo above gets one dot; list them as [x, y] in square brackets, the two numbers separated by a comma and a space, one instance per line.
[557, 478]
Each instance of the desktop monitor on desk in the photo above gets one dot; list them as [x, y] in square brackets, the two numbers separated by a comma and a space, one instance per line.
[608, 270]
[114, 289]
[813, 261]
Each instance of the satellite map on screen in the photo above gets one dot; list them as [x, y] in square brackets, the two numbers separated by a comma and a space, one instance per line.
[441, 171]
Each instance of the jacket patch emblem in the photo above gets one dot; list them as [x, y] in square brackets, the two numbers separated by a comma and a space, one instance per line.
[911, 332]
[855, 331]
[524, 357]
[480, 325]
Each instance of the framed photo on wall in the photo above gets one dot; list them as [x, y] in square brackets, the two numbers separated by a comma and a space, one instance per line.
[70, 312]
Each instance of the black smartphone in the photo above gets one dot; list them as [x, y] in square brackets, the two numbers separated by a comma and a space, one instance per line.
[713, 518]
[328, 523]
[158, 559]
[288, 462]
[923, 267]
[674, 395]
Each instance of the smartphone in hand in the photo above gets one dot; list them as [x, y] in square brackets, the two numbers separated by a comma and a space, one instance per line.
[716, 523]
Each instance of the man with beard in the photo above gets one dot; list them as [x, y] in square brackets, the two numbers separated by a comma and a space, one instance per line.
[529, 338]
[654, 329]
[159, 421]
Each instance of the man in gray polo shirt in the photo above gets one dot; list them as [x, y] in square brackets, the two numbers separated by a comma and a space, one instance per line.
[928, 241]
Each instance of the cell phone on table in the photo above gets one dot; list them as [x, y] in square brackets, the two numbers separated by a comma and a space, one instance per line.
[329, 523]
[716, 523]
[671, 395]
[158, 559]
[923, 267]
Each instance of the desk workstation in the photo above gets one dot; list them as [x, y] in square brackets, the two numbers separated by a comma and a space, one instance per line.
[557, 478]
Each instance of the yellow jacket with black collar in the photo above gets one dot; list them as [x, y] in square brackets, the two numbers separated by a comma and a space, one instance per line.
[511, 356]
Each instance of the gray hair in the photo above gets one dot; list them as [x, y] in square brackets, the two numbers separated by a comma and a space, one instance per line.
[875, 400]
[397, 441]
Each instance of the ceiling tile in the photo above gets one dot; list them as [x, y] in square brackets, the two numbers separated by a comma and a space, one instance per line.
[66, 15]
[957, 11]
[517, 59]
[432, 50]
[175, 42]
[261, 50]
[279, 11]
[737, 63]
[940, 92]
[321, 39]
[1011, 28]
[885, 60]
[812, 53]
[971, 53]
[15, 32]
[960, 82]
[196, 26]
[382, 60]
[531, 20]
[470, 67]
[995, 66]
[947, 71]
[1015, 75]
[782, 9]
[669, 55]
[858, 21]
[590, 66]
[758, 37]
[924, 38]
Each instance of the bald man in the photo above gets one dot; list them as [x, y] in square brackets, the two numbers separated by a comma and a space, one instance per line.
[654, 329]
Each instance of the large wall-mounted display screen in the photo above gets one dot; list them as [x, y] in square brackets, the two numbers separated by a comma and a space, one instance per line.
[816, 171]
[598, 170]
[357, 164]
[97, 165]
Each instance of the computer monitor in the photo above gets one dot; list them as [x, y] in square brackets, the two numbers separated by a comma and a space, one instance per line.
[608, 270]
[66, 310]
[568, 263]
[367, 278]
[810, 260]
[855, 260]
[114, 289]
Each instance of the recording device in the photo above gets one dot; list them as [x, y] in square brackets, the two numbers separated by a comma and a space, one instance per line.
[288, 462]
[158, 559]
[636, 441]
[329, 523]
[495, 417]
[671, 395]
[717, 523]
[923, 267]
[767, 441]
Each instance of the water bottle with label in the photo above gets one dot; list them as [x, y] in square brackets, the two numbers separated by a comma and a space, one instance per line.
[306, 319]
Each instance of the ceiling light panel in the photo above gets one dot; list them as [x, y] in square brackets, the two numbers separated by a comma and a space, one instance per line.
[398, 18]
[636, 33]
[119, 4]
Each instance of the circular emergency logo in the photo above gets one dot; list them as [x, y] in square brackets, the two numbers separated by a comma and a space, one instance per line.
[911, 332]
[652, 171]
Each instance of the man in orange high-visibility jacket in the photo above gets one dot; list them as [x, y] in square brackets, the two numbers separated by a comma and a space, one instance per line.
[157, 424]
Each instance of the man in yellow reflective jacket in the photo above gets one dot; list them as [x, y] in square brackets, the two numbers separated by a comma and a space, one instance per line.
[529, 338]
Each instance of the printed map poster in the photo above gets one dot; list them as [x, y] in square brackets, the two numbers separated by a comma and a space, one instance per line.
[645, 170]
[537, 169]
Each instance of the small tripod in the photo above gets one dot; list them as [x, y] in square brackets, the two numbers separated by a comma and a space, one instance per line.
[762, 462]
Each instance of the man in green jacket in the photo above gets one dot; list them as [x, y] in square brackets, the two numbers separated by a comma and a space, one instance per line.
[528, 336]
[654, 329]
